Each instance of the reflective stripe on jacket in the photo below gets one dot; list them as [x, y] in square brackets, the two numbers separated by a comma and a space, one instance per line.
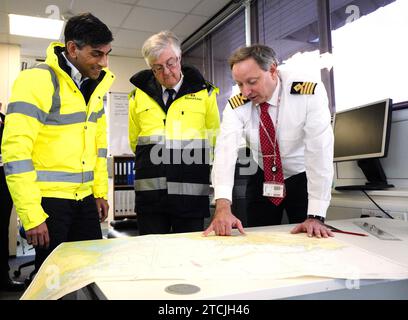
[54, 145]
[173, 149]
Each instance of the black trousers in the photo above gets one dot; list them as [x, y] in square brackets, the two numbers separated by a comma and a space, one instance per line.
[69, 220]
[163, 223]
[6, 204]
[262, 212]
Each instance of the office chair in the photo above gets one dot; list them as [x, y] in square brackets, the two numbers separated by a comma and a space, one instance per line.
[239, 205]
[123, 228]
[17, 272]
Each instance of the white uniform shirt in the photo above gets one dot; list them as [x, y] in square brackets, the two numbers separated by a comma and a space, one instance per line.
[305, 138]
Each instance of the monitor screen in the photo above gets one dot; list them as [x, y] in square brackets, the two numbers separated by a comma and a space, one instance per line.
[362, 132]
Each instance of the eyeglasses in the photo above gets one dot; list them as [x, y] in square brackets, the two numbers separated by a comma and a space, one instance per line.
[170, 64]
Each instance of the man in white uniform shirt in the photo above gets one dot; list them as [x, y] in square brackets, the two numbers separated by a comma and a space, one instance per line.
[285, 120]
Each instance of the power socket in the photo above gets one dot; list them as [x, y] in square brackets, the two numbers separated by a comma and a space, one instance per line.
[398, 215]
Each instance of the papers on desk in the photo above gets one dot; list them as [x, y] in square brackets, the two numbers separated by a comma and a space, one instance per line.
[189, 257]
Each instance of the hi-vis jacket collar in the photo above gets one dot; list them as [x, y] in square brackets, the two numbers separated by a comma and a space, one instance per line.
[237, 100]
[299, 87]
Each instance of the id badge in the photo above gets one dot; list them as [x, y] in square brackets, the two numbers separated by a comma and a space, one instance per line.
[274, 189]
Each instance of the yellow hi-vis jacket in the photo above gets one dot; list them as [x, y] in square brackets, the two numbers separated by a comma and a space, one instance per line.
[172, 146]
[54, 145]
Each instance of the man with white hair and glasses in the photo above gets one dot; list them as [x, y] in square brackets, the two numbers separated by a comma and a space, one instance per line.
[173, 118]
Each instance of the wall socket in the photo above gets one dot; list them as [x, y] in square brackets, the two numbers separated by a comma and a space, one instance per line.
[398, 215]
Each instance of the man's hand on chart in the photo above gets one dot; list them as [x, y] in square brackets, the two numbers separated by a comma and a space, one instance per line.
[313, 227]
[224, 221]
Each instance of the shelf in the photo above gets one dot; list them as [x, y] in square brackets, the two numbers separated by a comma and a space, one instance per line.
[392, 192]
[123, 187]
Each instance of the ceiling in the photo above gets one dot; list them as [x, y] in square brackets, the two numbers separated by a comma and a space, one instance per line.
[131, 21]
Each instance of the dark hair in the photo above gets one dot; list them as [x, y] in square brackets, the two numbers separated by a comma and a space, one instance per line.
[86, 29]
[263, 55]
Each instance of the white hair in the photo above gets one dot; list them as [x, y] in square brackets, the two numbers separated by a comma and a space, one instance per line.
[154, 46]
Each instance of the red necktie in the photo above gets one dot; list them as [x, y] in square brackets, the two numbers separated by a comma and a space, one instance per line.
[268, 143]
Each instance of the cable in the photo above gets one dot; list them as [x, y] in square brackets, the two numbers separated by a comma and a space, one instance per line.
[390, 216]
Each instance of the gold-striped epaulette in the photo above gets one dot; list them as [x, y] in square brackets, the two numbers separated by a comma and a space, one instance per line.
[237, 100]
[299, 87]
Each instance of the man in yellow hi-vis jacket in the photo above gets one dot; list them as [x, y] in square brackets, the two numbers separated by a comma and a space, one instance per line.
[54, 144]
[173, 119]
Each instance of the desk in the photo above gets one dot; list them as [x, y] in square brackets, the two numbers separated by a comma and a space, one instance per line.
[295, 288]
[353, 204]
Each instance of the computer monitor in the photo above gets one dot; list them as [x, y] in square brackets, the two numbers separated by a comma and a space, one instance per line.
[363, 134]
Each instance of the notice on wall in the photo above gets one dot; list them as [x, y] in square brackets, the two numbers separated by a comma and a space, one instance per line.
[118, 110]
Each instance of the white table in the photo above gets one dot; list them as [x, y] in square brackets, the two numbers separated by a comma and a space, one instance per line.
[294, 288]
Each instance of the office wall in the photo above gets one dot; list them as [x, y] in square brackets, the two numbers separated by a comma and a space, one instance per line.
[124, 68]
[9, 69]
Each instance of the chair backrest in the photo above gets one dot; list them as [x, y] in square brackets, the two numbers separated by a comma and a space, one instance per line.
[241, 177]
